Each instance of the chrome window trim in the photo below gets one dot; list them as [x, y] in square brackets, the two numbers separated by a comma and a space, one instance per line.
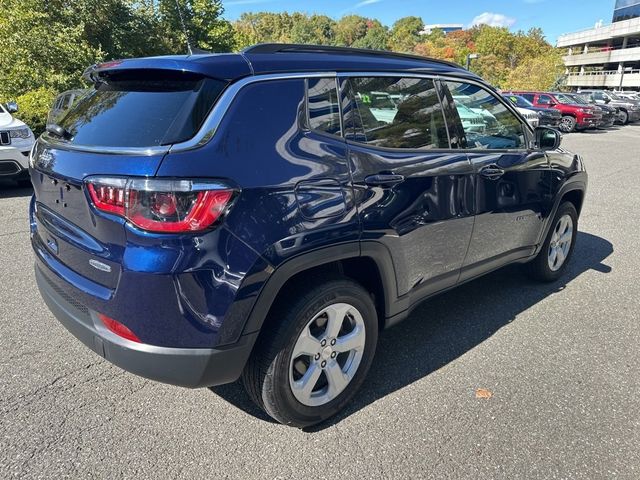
[50, 141]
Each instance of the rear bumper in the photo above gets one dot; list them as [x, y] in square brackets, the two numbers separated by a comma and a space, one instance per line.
[186, 367]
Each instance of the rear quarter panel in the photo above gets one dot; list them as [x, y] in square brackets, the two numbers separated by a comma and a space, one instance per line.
[262, 146]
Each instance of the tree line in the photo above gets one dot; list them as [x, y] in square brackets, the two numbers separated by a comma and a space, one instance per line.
[45, 45]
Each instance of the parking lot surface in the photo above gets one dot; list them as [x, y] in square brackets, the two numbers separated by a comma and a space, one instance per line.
[562, 362]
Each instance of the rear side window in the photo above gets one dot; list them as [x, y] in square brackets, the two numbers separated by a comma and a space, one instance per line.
[398, 113]
[544, 100]
[487, 123]
[129, 110]
[528, 96]
[323, 106]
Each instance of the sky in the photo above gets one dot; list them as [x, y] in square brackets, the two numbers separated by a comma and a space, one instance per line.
[555, 17]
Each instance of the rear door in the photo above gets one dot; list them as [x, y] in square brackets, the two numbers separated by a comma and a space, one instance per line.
[512, 181]
[413, 192]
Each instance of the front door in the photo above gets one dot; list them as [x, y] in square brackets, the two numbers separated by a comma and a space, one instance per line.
[414, 194]
[512, 181]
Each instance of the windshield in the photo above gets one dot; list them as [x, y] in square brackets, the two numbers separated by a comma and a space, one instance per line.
[126, 110]
[562, 98]
[520, 101]
[578, 99]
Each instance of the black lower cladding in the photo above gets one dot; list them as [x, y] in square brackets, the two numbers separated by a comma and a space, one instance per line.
[186, 367]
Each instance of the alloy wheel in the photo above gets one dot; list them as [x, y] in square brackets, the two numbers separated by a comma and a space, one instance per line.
[560, 243]
[327, 354]
[566, 124]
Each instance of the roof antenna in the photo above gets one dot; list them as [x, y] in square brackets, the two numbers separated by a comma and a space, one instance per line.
[184, 28]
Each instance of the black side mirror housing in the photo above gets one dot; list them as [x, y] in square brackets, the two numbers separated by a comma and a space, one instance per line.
[547, 138]
[12, 107]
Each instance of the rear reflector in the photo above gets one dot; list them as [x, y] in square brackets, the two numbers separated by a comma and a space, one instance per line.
[160, 205]
[118, 328]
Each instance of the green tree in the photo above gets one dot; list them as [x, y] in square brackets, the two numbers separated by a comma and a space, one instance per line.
[405, 34]
[538, 73]
[376, 37]
[349, 29]
[263, 27]
[42, 45]
[312, 30]
[202, 19]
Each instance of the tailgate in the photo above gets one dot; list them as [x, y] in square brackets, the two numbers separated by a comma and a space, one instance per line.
[68, 227]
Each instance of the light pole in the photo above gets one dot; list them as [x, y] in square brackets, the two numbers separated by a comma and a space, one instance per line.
[471, 56]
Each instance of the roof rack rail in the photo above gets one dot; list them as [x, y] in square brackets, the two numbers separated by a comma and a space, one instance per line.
[300, 48]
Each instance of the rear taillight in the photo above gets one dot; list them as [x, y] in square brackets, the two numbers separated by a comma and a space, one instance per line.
[118, 328]
[159, 205]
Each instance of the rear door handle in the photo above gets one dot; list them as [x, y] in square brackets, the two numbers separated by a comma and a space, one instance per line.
[492, 172]
[383, 179]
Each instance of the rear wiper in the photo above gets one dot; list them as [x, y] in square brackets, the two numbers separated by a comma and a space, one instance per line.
[58, 131]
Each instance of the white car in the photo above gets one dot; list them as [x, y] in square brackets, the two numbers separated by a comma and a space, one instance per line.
[16, 141]
[532, 117]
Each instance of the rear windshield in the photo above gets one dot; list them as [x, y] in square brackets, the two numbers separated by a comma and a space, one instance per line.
[130, 110]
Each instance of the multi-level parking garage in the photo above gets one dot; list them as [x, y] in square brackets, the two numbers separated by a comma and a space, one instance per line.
[606, 56]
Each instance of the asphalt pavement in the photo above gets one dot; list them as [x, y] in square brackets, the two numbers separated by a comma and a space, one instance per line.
[561, 361]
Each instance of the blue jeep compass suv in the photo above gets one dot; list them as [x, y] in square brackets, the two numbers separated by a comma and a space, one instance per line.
[263, 215]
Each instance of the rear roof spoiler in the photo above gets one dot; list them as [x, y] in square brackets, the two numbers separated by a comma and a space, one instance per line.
[220, 66]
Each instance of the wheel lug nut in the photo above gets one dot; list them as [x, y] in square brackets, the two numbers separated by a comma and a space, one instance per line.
[333, 354]
[317, 356]
[333, 342]
[323, 364]
[323, 343]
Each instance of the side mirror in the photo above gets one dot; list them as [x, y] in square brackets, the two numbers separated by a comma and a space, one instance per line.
[607, 100]
[547, 138]
[12, 107]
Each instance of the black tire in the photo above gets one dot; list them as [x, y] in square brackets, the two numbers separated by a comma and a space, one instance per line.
[539, 268]
[624, 117]
[568, 124]
[266, 376]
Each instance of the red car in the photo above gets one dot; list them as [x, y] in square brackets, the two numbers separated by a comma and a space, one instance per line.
[574, 116]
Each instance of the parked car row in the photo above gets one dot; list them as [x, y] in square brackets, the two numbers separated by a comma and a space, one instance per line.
[587, 109]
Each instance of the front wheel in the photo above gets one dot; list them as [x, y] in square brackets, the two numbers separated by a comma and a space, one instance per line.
[315, 353]
[567, 124]
[553, 258]
[623, 117]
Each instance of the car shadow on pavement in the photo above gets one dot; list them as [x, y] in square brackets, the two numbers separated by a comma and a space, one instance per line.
[14, 190]
[447, 326]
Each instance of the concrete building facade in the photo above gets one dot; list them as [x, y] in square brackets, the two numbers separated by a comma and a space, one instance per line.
[606, 56]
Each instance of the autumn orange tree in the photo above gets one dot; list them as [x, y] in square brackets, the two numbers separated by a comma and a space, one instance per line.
[508, 60]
